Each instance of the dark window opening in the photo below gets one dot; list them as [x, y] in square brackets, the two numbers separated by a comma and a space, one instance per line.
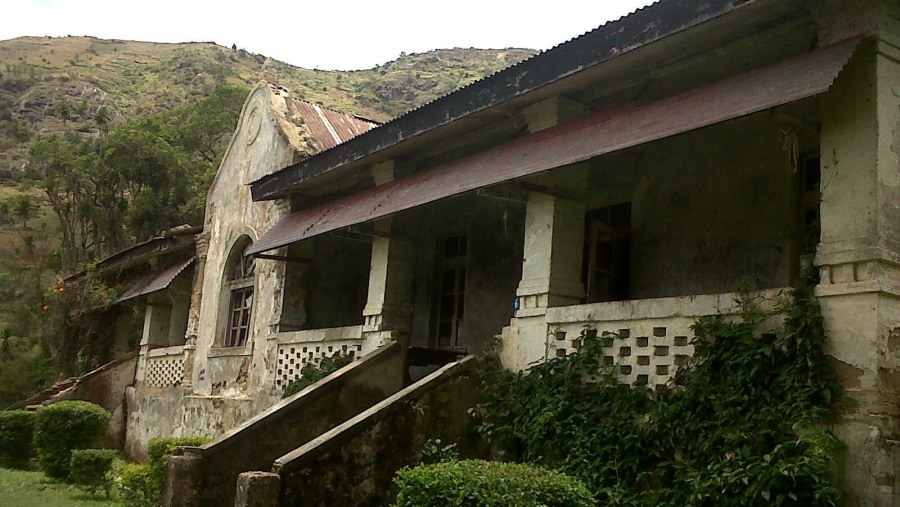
[809, 201]
[452, 291]
[607, 253]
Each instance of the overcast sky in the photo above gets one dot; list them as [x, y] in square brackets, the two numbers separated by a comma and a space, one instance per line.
[323, 34]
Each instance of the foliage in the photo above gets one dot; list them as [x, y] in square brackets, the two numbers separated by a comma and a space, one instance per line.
[136, 180]
[312, 373]
[488, 484]
[90, 469]
[158, 451]
[134, 486]
[16, 434]
[436, 452]
[62, 427]
[742, 426]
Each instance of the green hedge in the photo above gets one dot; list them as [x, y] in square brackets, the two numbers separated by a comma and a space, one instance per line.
[158, 451]
[488, 484]
[134, 487]
[64, 426]
[90, 468]
[16, 435]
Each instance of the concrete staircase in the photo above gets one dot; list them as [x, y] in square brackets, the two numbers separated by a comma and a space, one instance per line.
[44, 397]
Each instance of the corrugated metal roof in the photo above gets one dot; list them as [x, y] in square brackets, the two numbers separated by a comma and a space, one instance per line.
[607, 42]
[327, 128]
[604, 132]
[156, 281]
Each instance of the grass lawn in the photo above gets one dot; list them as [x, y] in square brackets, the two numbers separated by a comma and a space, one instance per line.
[19, 488]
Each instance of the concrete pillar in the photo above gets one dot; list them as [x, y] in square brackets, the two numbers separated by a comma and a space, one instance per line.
[190, 336]
[184, 481]
[257, 489]
[554, 244]
[388, 310]
[551, 276]
[859, 259]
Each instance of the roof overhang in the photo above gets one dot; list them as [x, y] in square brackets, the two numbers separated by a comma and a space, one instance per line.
[454, 113]
[604, 132]
[156, 282]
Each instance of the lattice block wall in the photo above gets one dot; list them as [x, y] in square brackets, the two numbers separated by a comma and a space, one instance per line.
[165, 371]
[293, 357]
[643, 352]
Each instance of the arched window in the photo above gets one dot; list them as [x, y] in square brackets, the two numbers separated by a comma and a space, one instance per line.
[240, 280]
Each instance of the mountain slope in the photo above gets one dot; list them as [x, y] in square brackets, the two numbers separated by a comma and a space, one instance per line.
[50, 85]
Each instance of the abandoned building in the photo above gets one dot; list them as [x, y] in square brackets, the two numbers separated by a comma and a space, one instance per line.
[632, 180]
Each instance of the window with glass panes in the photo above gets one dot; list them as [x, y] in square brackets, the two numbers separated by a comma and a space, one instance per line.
[240, 284]
[452, 291]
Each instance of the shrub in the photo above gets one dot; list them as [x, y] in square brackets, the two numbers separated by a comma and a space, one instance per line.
[744, 425]
[90, 468]
[158, 451]
[133, 484]
[16, 433]
[64, 426]
[488, 484]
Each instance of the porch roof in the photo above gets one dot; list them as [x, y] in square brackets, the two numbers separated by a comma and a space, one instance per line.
[437, 119]
[604, 132]
[156, 282]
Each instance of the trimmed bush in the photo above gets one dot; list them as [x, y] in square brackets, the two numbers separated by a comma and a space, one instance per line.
[158, 451]
[64, 426]
[134, 487]
[90, 468]
[488, 484]
[16, 434]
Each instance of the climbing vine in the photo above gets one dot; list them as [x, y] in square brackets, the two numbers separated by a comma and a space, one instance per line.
[743, 425]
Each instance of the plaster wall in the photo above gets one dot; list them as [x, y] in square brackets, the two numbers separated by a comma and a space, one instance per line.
[257, 148]
[712, 211]
[166, 412]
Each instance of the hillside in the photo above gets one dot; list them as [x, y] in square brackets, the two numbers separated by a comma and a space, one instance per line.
[49, 85]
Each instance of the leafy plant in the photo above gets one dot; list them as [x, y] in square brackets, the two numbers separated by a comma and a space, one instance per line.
[62, 427]
[742, 426]
[312, 373]
[90, 469]
[134, 485]
[436, 452]
[16, 434]
[488, 484]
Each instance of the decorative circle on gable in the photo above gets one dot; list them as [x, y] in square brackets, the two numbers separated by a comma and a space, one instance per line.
[254, 122]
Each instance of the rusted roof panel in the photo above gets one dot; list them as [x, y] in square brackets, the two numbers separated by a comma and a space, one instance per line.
[328, 128]
[156, 282]
[601, 133]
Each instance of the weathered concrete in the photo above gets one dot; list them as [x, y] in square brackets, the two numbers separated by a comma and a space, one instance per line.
[859, 255]
[354, 463]
[257, 489]
[181, 479]
[255, 444]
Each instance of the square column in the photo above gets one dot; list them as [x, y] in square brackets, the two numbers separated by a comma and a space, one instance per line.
[551, 276]
[859, 258]
[388, 310]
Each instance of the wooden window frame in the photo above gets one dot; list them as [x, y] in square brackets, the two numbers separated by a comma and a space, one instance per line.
[458, 265]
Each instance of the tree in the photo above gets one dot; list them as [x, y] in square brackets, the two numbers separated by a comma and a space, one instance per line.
[101, 118]
[24, 208]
